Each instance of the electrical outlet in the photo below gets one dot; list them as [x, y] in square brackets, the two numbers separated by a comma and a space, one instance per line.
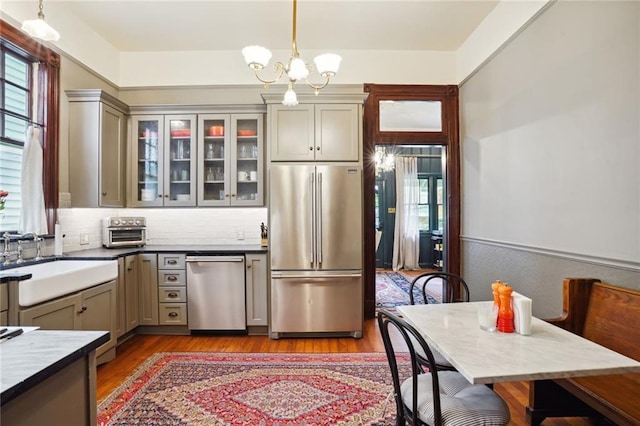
[84, 239]
[241, 235]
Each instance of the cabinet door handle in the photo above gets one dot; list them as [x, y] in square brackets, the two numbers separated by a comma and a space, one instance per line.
[249, 266]
[318, 148]
[172, 295]
[172, 278]
[84, 308]
[173, 314]
[104, 194]
[310, 148]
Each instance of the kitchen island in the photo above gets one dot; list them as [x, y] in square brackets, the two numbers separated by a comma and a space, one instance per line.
[49, 377]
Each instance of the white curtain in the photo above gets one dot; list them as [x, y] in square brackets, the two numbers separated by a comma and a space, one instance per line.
[32, 215]
[406, 240]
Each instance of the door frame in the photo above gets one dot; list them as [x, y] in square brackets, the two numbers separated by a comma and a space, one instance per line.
[448, 137]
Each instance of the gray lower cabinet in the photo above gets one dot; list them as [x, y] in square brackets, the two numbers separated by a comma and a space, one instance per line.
[256, 289]
[172, 289]
[4, 304]
[90, 309]
[127, 284]
[148, 289]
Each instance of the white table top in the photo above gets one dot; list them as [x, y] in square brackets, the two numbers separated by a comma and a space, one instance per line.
[550, 352]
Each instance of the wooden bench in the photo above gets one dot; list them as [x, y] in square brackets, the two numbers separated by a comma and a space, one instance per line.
[609, 316]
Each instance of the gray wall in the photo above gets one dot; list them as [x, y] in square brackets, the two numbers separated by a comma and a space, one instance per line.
[550, 155]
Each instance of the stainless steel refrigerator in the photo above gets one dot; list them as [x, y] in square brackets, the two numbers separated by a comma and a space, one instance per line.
[315, 231]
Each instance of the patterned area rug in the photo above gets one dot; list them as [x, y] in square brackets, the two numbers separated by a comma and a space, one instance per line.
[392, 289]
[200, 388]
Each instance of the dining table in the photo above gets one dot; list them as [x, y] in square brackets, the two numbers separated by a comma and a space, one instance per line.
[482, 357]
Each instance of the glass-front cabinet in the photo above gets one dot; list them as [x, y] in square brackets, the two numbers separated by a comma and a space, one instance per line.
[164, 166]
[230, 159]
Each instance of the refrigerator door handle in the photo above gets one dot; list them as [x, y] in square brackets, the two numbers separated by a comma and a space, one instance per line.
[312, 211]
[319, 218]
[287, 276]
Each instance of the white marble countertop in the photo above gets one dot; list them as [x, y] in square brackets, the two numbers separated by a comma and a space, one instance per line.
[550, 352]
[31, 357]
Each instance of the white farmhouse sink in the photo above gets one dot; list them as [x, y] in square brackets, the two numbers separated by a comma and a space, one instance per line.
[54, 279]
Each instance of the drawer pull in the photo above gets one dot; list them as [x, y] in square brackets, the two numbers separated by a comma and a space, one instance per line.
[172, 278]
[172, 262]
[172, 295]
[173, 314]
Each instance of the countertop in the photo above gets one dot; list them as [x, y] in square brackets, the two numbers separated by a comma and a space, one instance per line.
[115, 253]
[36, 355]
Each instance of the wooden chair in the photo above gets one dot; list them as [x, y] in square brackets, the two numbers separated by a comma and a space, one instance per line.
[435, 398]
[454, 289]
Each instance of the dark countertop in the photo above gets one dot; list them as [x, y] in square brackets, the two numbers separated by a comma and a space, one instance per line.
[114, 253]
[36, 355]
[7, 276]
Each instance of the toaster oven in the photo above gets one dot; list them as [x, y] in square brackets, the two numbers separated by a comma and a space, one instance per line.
[124, 232]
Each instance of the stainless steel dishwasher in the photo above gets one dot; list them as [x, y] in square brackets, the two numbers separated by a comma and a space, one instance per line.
[215, 293]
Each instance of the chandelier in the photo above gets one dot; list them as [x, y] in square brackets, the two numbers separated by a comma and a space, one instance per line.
[257, 57]
[384, 161]
[38, 28]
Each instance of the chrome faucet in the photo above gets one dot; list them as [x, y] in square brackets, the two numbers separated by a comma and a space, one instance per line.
[36, 240]
[6, 253]
[19, 259]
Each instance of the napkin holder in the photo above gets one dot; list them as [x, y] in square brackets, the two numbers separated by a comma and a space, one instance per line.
[521, 313]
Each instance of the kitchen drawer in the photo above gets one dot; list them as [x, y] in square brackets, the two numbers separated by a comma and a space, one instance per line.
[171, 261]
[171, 278]
[4, 297]
[173, 313]
[172, 294]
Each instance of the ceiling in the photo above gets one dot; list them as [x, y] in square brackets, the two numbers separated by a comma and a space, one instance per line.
[132, 26]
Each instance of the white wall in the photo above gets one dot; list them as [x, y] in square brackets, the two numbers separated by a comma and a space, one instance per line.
[551, 144]
[193, 226]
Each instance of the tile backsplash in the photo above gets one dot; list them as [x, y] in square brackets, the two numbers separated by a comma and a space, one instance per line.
[167, 226]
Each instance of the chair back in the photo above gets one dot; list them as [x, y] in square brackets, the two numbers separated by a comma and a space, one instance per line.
[411, 337]
[454, 288]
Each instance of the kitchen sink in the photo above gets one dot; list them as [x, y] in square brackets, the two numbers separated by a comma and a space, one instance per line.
[54, 279]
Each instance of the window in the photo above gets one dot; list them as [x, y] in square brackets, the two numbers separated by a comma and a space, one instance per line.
[430, 206]
[29, 92]
[15, 115]
[423, 205]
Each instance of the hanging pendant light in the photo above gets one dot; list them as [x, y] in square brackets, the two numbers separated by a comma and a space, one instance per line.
[38, 28]
[257, 58]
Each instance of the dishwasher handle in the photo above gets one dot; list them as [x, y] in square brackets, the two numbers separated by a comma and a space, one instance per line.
[197, 259]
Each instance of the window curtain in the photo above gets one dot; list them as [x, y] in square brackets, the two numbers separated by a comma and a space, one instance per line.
[406, 240]
[32, 217]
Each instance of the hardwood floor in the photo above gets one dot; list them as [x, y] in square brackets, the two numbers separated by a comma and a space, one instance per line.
[137, 349]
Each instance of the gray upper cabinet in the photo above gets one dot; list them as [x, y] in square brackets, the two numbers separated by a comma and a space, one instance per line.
[97, 149]
[230, 160]
[315, 132]
[163, 165]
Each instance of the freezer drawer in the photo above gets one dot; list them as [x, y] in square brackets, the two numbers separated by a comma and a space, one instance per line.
[327, 304]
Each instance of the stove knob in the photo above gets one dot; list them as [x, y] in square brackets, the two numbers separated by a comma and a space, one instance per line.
[138, 222]
[116, 222]
[131, 222]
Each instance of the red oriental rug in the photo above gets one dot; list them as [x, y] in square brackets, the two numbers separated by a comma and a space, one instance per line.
[200, 388]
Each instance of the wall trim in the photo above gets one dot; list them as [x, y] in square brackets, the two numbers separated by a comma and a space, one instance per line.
[581, 257]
